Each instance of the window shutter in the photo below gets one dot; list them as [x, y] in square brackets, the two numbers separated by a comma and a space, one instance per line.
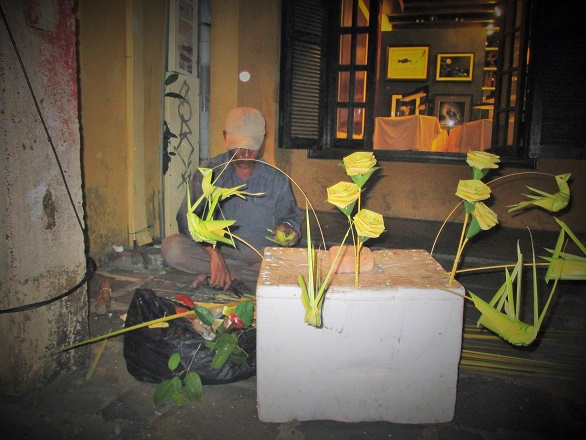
[302, 73]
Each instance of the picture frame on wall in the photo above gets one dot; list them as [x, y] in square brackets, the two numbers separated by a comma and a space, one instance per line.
[452, 110]
[412, 103]
[407, 63]
[490, 58]
[454, 67]
[396, 105]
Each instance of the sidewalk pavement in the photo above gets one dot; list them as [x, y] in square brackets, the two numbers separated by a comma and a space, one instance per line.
[508, 403]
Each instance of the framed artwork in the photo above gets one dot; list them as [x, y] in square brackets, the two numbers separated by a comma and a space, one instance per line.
[395, 105]
[412, 103]
[452, 110]
[454, 67]
[489, 79]
[407, 62]
[490, 58]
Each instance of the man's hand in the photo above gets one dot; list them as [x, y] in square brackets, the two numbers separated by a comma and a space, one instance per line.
[285, 235]
[219, 277]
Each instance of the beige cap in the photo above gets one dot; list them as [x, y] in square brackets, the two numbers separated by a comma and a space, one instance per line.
[245, 128]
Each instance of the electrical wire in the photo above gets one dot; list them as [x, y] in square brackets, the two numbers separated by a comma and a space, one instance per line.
[90, 267]
[90, 263]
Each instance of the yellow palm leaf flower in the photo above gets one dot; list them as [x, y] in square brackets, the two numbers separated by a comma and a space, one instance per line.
[359, 163]
[343, 194]
[564, 265]
[485, 216]
[281, 238]
[501, 314]
[206, 180]
[209, 231]
[510, 329]
[482, 160]
[313, 292]
[551, 202]
[568, 267]
[217, 193]
[369, 224]
[473, 190]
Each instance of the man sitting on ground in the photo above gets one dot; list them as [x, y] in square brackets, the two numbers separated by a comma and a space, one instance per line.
[274, 210]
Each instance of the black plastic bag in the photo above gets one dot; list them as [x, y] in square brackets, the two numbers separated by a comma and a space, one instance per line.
[147, 350]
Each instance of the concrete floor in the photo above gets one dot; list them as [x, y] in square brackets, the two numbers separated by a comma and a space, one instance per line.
[510, 403]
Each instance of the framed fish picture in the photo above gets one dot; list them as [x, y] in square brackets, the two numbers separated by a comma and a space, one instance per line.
[407, 63]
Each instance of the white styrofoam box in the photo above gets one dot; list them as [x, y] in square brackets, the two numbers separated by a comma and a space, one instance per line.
[388, 351]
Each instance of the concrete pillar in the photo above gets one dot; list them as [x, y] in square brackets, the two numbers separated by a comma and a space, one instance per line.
[42, 252]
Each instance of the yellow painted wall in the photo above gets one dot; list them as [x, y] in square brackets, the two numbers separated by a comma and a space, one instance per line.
[260, 57]
[404, 190]
[223, 68]
[104, 121]
[426, 191]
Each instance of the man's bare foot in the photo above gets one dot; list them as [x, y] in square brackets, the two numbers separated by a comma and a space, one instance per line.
[200, 280]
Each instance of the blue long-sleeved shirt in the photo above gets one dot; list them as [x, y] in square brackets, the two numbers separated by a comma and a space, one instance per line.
[253, 215]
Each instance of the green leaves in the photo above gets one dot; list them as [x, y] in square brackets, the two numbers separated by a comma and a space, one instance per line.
[474, 228]
[193, 386]
[204, 315]
[360, 179]
[224, 346]
[479, 174]
[174, 361]
[169, 389]
[468, 206]
[177, 390]
[245, 310]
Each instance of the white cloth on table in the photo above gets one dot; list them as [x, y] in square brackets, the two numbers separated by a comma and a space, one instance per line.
[417, 132]
[472, 136]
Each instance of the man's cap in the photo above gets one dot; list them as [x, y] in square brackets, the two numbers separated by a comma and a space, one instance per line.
[245, 128]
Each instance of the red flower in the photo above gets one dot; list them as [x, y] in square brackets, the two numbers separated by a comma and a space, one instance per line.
[182, 310]
[235, 320]
[185, 300]
[188, 302]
